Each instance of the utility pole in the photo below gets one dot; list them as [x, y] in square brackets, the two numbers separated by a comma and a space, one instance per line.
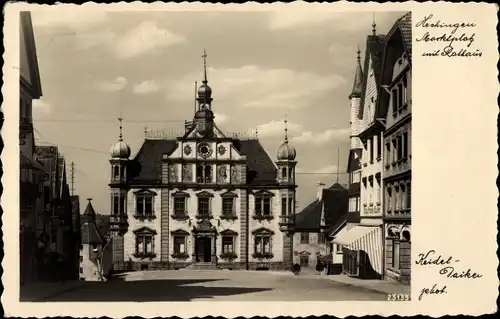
[72, 166]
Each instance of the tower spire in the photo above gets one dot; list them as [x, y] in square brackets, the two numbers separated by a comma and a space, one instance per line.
[358, 78]
[204, 56]
[286, 130]
[374, 25]
[120, 137]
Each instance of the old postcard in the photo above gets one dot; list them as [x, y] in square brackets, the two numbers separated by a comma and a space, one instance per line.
[254, 159]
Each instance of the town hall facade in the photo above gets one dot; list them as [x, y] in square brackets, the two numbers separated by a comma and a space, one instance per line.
[202, 200]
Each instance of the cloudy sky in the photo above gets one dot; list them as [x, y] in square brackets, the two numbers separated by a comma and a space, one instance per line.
[262, 67]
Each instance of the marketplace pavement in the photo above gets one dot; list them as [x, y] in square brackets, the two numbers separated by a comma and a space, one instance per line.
[217, 285]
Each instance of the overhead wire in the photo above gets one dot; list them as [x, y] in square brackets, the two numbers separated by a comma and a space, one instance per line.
[151, 166]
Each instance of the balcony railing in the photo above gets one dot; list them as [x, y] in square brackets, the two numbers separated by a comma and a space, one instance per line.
[205, 180]
[116, 219]
[287, 220]
[204, 215]
[180, 215]
[399, 166]
[228, 216]
[400, 212]
[263, 216]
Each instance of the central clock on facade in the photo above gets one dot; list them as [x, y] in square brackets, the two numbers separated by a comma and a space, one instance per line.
[204, 150]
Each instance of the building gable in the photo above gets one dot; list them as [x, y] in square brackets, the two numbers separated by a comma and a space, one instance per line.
[397, 47]
[29, 71]
[371, 76]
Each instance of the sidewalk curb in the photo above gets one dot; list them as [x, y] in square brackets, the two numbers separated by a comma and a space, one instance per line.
[58, 293]
[362, 287]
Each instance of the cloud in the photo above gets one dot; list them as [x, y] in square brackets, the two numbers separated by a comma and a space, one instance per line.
[88, 40]
[71, 17]
[220, 118]
[328, 169]
[147, 37]
[310, 137]
[276, 128]
[260, 87]
[41, 106]
[286, 19]
[146, 87]
[116, 85]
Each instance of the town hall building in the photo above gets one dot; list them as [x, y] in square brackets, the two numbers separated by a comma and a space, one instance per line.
[202, 200]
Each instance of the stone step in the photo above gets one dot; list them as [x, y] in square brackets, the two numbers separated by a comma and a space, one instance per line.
[203, 266]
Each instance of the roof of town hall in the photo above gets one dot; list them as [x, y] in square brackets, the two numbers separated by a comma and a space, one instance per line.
[334, 202]
[147, 162]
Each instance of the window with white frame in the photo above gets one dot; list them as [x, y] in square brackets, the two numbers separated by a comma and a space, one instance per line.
[179, 244]
[304, 238]
[144, 241]
[144, 203]
[263, 205]
[228, 206]
[263, 242]
[396, 254]
[180, 205]
[228, 244]
[338, 249]
[203, 206]
[389, 198]
[283, 173]
[283, 206]
[291, 205]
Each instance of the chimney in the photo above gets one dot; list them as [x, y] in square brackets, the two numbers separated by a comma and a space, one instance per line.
[321, 186]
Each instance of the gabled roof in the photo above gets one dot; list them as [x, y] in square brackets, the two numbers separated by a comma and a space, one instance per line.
[90, 233]
[398, 38]
[310, 217]
[28, 59]
[403, 25]
[146, 165]
[334, 204]
[354, 162]
[374, 51]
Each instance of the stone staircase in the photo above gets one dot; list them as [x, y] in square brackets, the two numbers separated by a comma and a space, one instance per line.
[203, 266]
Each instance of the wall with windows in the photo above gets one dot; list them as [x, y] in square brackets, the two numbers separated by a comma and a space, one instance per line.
[371, 179]
[143, 207]
[223, 206]
[265, 237]
[308, 244]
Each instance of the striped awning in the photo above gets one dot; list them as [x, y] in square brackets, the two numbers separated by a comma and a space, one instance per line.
[367, 238]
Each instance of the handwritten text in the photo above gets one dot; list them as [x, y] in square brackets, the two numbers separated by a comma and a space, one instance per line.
[448, 268]
[457, 38]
